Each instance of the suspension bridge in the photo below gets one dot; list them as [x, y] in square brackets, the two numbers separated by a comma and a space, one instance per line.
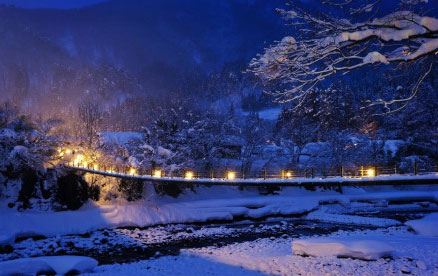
[285, 180]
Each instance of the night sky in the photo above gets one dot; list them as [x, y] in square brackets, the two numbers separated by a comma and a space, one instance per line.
[54, 4]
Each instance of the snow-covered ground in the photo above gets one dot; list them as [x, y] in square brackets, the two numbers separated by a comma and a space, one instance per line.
[358, 249]
[427, 226]
[371, 215]
[206, 204]
[59, 265]
[413, 254]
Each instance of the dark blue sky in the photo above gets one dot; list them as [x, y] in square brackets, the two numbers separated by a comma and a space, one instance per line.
[55, 4]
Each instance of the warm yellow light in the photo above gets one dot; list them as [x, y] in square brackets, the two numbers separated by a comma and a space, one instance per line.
[132, 171]
[189, 175]
[67, 151]
[59, 150]
[61, 154]
[78, 160]
[157, 173]
[231, 175]
[96, 167]
[288, 174]
[371, 172]
[85, 164]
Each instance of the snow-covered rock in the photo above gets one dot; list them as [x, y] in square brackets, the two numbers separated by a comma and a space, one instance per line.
[427, 226]
[360, 249]
[61, 265]
[6, 239]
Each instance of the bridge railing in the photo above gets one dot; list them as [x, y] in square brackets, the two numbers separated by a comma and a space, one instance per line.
[292, 173]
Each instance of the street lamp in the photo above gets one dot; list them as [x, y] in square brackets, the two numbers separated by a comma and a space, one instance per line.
[189, 175]
[132, 171]
[371, 172]
[157, 173]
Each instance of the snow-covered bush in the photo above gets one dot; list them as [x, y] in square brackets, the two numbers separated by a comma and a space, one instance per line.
[24, 152]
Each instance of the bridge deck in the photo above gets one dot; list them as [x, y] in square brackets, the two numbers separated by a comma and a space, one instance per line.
[428, 178]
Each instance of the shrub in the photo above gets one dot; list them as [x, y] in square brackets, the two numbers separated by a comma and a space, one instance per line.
[29, 179]
[131, 189]
[72, 191]
[94, 192]
[168, 188]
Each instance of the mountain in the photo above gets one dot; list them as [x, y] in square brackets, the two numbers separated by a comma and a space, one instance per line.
[158, 43]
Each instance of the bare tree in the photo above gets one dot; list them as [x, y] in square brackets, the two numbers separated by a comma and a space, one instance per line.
[328, 46]
[90, 114]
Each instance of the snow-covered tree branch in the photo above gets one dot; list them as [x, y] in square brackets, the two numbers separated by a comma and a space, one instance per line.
[328, 46]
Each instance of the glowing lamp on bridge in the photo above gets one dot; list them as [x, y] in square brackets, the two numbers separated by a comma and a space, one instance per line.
[157, 173]
[78, 160]
[132, 171]
[371, 172]
[95, 167]
[231, 175]
[288, 174]
[188, 175]
[85, 164]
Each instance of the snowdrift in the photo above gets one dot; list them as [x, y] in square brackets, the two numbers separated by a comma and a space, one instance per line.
[361, 249]
[59, 265]
[427, 226]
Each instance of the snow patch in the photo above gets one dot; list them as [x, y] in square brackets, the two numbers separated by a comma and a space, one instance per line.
[164, 152]
[392, 146]
[62, 265]
[375, 57]
[427, 226]
[348, 219]
[361, 249]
